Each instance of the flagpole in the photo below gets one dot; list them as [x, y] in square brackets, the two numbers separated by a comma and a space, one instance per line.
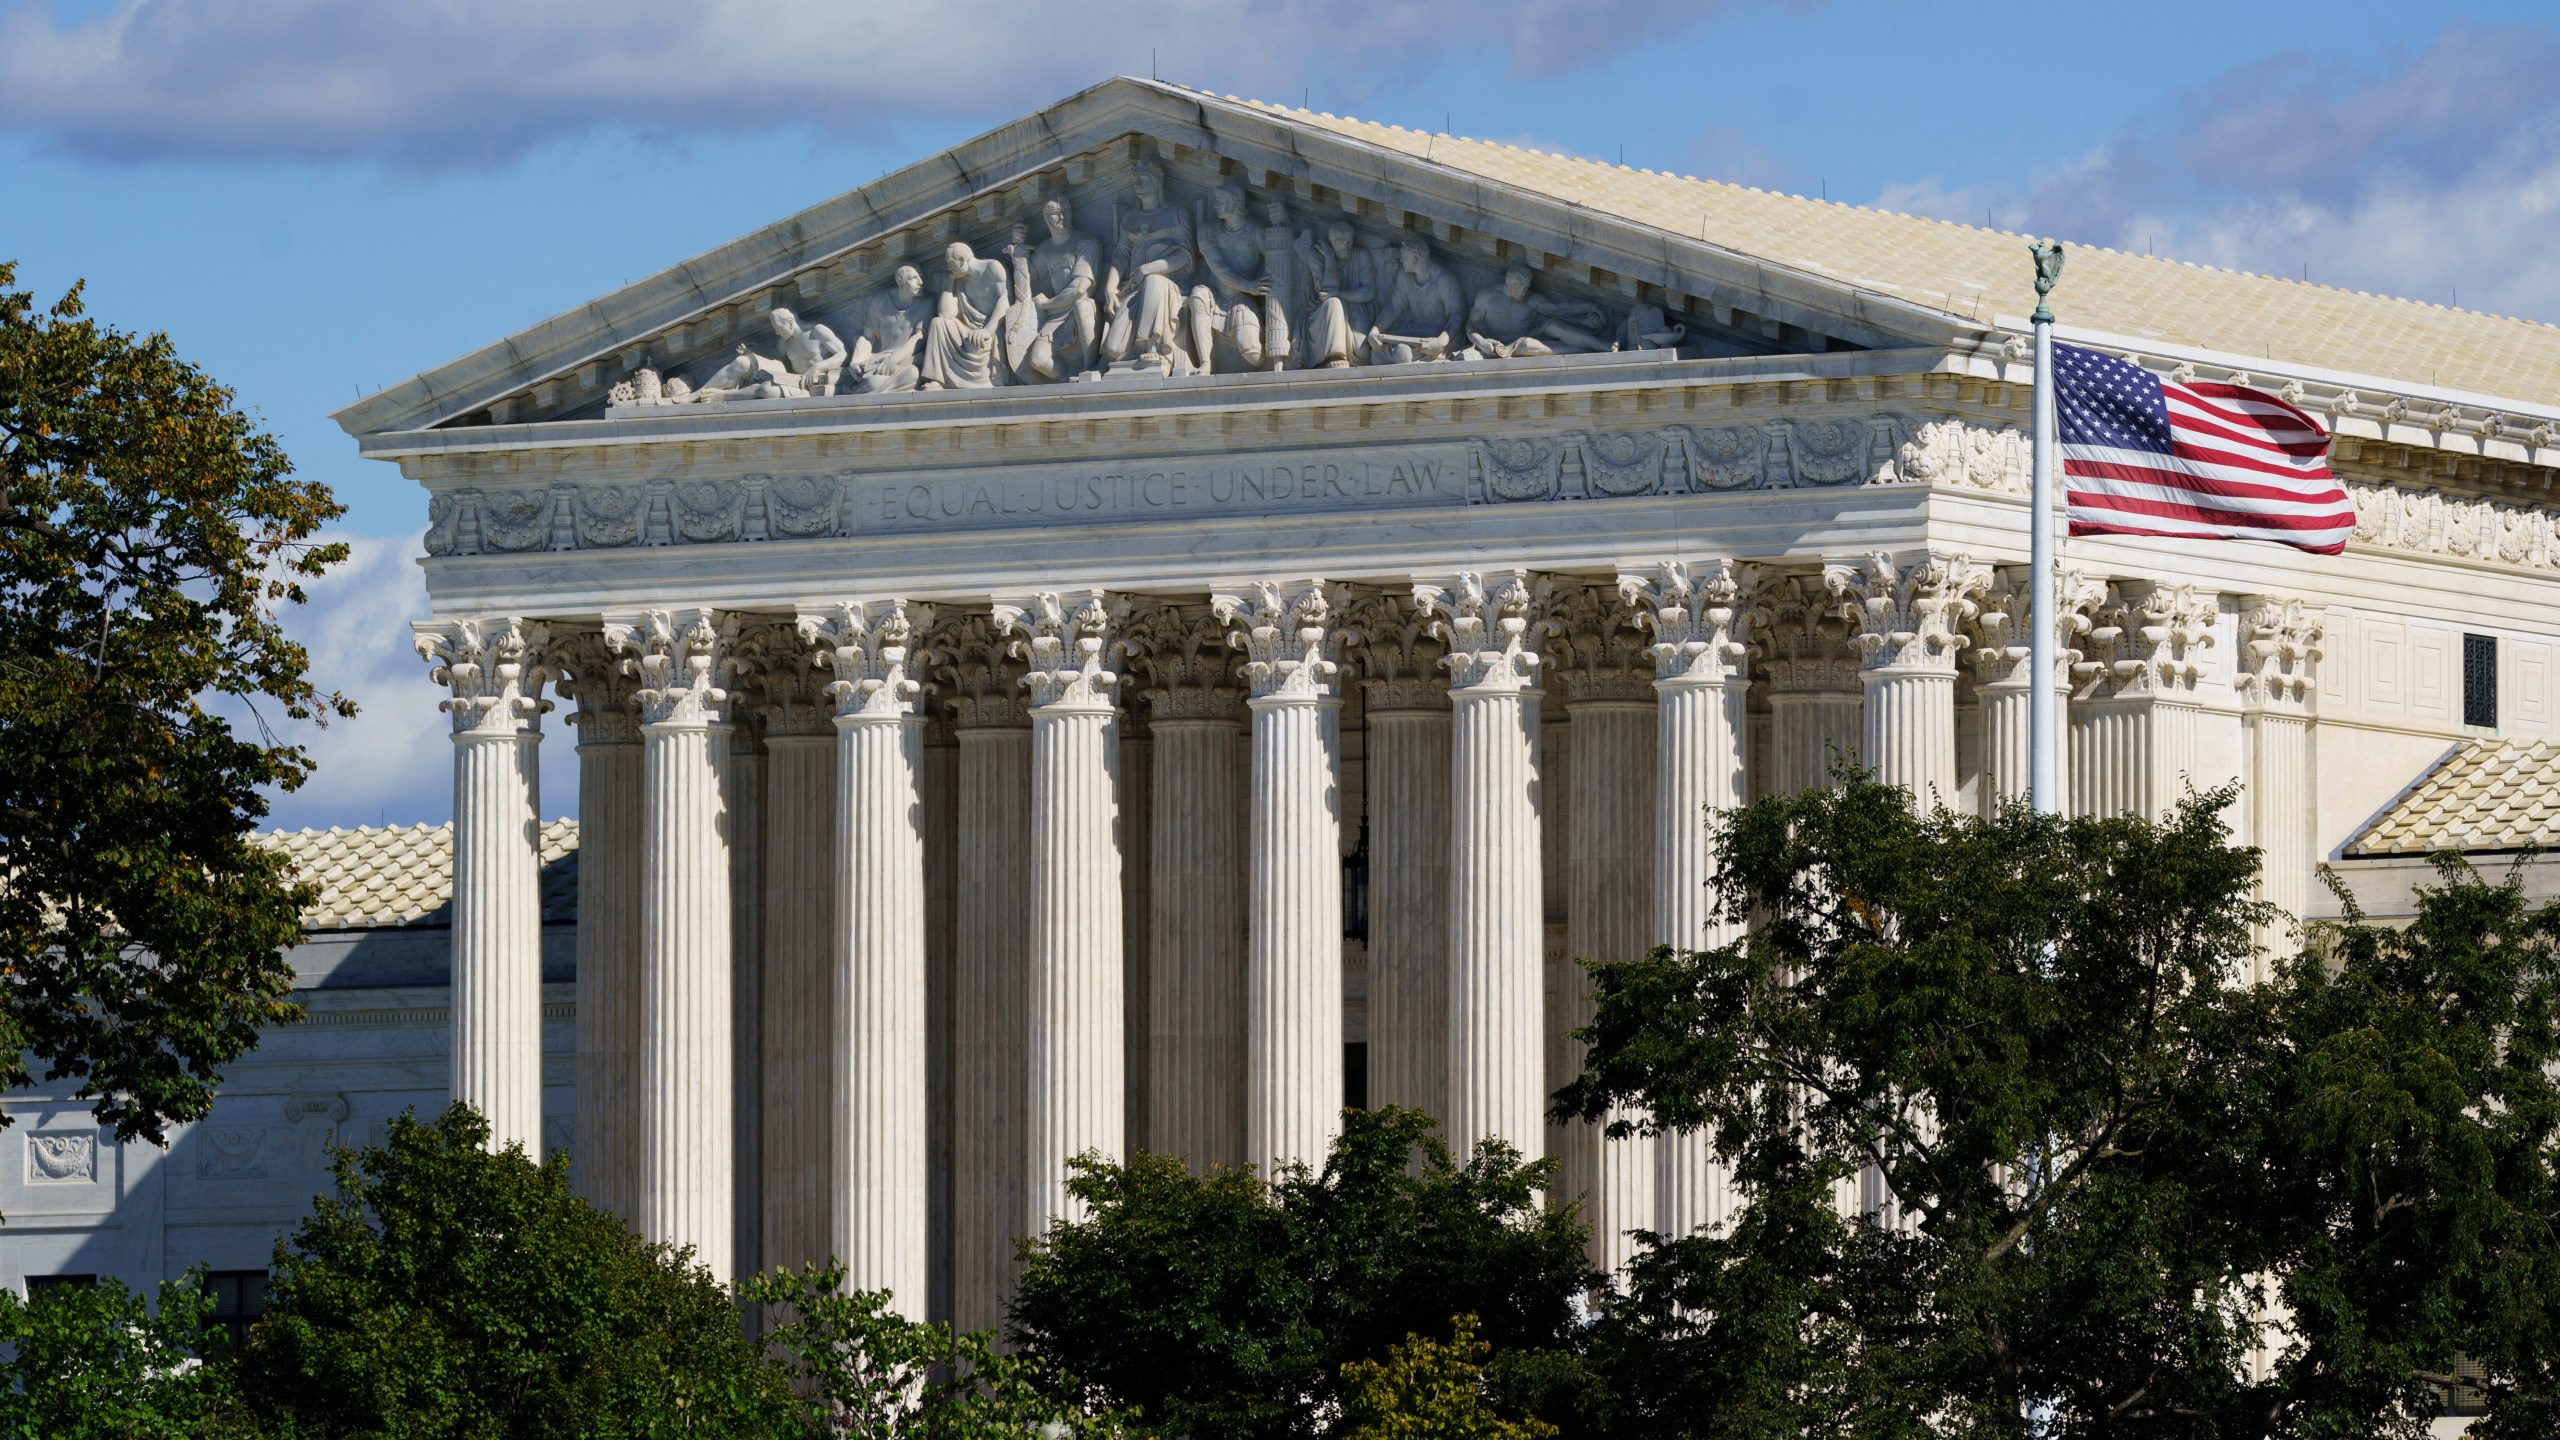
[2044, 779]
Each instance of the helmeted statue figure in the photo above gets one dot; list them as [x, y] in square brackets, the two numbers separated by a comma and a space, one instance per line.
[1142, 295]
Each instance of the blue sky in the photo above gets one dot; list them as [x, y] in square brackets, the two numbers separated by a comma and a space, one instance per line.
[317, 199]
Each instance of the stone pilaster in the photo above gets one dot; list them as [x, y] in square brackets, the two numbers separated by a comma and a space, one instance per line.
[1598, 664]
[493, 673]
[1700, 626]
[1293, 965]
[1906, 616]
[605, 1138]
[798, 998]
[1497, 989]
[1409, 768]
[2279, 651]
[1197, 891]
[1077, 1088]
[2135, 719]
[878, 1185]
[1998, 651]
[990, 961]
[1816, 703]
[687, 1181]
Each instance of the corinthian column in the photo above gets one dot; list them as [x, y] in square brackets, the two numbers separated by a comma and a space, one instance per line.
[1497, 982]
[1409, 765]
[1599, 665]
[1699, 659]
[1195, 1090]
[991, 815]
[1816, 707]
[1999, 652]
[687, 1178]
[1905, 618]
[798, 998]
[604, 1139]
[1293, 966]
[878, 1197]
[2135, 720]
[2279, 646]
[492, 671]
[1077, 1083]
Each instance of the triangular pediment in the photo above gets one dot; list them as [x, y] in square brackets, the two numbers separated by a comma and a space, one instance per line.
[1348, 213]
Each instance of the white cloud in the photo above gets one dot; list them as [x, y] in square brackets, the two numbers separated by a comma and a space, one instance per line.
[394, 761]
[470, 81]
[2434, 179]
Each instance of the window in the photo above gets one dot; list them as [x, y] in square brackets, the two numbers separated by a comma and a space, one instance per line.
[239, 1298]
[38, 1284]
[2480, 681]
[1355, 1076]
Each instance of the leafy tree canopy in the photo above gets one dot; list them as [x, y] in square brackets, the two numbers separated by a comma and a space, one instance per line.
[2098, 1183]
[97, 1362]
[149, 532]
[1429, 1389]
[1221, 1305]
[446, 1291]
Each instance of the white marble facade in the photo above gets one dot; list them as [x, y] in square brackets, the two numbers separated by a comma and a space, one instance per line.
[993, 626]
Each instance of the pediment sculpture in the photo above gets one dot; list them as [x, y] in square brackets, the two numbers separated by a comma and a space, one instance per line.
[1230, 280]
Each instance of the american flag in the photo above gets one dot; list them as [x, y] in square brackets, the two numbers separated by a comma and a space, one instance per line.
[2147, 456]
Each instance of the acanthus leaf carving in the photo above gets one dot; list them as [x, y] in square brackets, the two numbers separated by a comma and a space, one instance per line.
[1593, 650]
[1488, 621]
[1068, 642]
[2001, 628]
[1700, 625]
[2279, 651]
[606, 691]
[1290, 634]
[1808, 650]
[1182, 651]
[493, 671]
[974, 660]
[869, 646]
[2149, 640]
[1906, 613]
[683, 659]
[1399, 653]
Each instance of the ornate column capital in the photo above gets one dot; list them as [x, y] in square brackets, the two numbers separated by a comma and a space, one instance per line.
[1488, 620]
[1067, 641]
[870, 647]
[1291, 635]
[2279, 646]
[1399, 655]
[586, 670]
[494, 670]
[1807, 650]
[790, 694]
[683, 659]
[1906, 613]
[977, 669]
[1700, 623]
[1594, 650]
[2149, 641]
[2000, 628]
[1182, 650]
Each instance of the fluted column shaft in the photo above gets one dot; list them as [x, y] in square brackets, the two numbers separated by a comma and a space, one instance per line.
[687, 1181]
[2005, 734]
[880, 1005]
[1195, 1105]
[1293, 968]
[1410, 769]
[493, 672]
[1076, 1084]
[990, 982]
[746, 802]
[799, 998]
[1813, 731]
[941, 919]
[497, 933]
[1611, 872]
[608, 1024]
[1910, 726]
[1136, 808]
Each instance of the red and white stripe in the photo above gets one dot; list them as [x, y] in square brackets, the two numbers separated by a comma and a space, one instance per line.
[2244, 465]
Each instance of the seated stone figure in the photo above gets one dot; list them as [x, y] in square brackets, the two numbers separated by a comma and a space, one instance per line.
[890, 327]
[1253, 268]
[1142, 295]
[1341, 280]
[1054, 325]
[1647, 328]
[1516, 321]
[1424, 308]
[960, 341]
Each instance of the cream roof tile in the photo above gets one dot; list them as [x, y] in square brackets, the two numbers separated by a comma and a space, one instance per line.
[1976, 274]
[376, 878]
[2486, 795]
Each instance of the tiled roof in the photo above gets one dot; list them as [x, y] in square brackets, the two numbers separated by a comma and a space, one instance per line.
[371, 879]
[1976, 273]
[2486, 795]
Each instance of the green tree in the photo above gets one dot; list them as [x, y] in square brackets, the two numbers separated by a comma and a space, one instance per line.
[1429, 1389]
[862, 1369]
[1221, 1306]
[97, 1362]
[2111, 1166]
[149, 533]
[447, 1291]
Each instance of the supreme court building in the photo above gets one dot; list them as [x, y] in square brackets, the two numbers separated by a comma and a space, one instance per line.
[1180, 614]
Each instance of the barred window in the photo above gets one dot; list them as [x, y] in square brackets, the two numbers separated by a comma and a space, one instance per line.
[239, 1298]
[2480, 681]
